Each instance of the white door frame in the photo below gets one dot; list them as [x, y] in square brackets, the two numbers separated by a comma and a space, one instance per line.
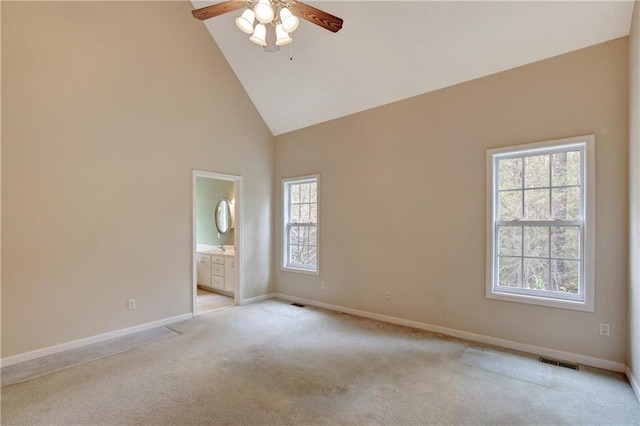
[238, 285]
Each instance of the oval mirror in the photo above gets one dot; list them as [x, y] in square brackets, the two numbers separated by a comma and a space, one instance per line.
[223, 216]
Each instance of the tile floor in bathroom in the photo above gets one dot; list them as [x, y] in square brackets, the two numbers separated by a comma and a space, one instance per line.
[208, 301]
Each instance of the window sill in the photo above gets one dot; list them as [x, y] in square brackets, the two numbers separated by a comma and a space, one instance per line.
[541, 301]
[299, 270]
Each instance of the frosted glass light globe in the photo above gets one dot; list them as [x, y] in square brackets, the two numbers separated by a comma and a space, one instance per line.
[289, 21]
[245, 21]
[264, 12]
[259, 35]
[282, 37]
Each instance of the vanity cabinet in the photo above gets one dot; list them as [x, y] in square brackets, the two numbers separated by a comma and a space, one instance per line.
[229, 273]
[217, 271]
[204, 270]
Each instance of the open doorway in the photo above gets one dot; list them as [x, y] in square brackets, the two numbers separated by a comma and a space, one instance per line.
[217, 227]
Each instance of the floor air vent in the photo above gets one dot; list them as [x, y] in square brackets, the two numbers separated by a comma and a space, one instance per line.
[299, 305]
[559, 363]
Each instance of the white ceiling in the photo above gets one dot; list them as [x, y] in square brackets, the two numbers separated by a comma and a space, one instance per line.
[392, 50]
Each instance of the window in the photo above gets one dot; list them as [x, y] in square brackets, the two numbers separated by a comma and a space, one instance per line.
[541, 223]
[300, 246]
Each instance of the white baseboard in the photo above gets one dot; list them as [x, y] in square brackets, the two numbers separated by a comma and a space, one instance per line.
[522, 347]
[635, 385]
[257, 298]
[38, 353]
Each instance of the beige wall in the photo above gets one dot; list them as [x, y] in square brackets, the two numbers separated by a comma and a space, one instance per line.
[107, 108]
[403, 199]
[634, 196]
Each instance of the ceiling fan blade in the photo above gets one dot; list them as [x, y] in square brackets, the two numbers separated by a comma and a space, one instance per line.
[218, 9]
[317, 16]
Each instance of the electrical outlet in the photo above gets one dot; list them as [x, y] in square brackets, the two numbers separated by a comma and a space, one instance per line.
[132, 304]
[605, 329]
[323, 285]
[387, 295]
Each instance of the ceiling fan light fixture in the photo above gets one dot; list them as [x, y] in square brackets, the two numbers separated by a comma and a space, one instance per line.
[261, 17]
[264, 12]
[289, 21]
[259, 36]
[245, 21]
[282, 37]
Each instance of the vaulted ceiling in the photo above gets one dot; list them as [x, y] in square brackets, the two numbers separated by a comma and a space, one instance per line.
[392, 50]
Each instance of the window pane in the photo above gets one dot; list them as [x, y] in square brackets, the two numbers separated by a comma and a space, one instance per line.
[303, 236]
[313, 236]
[510, 173]
[536, 204]
[304, 193]
[313, 192]
[295, 213]
[313, 213]
[510, 240]
[509, 205]
[295, 193]
[565, 276]
[510, 271]
[539, 199]
[313, 255]
[294, 254]
[565, 242]
[536, 171]
[304, 213]
[304, 255]
[293, 235]
[565, 168]
[565, 203]
[536, 274]
[536, 241]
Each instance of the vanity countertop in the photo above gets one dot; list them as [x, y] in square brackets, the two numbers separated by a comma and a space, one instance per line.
[229, 251]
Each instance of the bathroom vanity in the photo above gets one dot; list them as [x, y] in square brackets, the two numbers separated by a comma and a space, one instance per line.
[216, 265]
[216, 268]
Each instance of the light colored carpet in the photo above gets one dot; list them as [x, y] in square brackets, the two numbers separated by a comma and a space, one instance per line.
[49, 364]
[274, 364]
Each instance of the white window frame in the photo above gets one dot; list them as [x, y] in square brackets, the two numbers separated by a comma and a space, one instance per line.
[585, 300]
[285, 266]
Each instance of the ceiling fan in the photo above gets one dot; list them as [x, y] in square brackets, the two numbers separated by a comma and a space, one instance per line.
[276, 19]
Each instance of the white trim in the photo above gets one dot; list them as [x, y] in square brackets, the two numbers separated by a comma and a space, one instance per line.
[38, 353]
[522, 347]
[635, 385]
[284, 213]
[299, 270]
[238, 221]
[585, 143]
[258, 298]
[540, 301]
[238, 285]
